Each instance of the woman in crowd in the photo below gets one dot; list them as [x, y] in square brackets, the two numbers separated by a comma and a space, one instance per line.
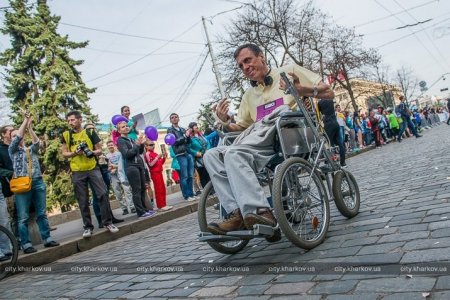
[134, 167]
[374, 122]
[133, 134]
[197, 149]
[20, 156]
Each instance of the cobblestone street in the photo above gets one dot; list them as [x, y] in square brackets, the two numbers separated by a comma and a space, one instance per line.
[404, 220]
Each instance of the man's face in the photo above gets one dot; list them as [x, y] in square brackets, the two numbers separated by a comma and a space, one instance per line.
[174, 119]
[252, 65]
[73, 122]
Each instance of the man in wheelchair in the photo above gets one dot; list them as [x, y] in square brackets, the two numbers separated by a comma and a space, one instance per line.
[233, 168]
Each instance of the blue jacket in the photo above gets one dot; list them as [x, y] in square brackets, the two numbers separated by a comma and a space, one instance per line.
[198, 144]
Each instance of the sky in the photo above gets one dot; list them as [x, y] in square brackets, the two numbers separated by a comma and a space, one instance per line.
[153, 68]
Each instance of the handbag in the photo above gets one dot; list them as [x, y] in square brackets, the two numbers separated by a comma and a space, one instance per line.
[199, 162]
[22, 184]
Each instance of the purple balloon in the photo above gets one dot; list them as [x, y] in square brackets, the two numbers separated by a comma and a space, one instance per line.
[117, 119]
[151, 132]
[170, 139]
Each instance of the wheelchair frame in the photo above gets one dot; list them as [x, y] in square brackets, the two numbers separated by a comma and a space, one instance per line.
[307, 157]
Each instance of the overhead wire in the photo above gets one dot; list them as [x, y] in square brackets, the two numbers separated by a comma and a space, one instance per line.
[137, 54]
[129, 35]
[394, 14]
[414, 33]
[144, 56]
[188, 87]
[426, 34]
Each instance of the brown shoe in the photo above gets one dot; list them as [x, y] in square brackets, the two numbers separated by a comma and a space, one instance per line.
[234, 222]
[263, 216]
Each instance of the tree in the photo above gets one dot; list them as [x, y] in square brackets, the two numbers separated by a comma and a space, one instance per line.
[347, 56]
[407, 82]
[382, 77]
[41, 76]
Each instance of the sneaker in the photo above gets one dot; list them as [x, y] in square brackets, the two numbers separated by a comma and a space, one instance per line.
[133, 210]
[147, 214]
[232, 223]
[191, 199]
[263, 216]
[344, 166]
[87, 233]
[29, 250]
[115, 221]
[418, 136]
[167, 207]
[125, 212]
[51, 244]
[112, 228]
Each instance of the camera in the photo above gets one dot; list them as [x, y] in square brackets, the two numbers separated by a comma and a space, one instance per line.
[84, 147]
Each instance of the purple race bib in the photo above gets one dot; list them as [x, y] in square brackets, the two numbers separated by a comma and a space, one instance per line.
[266, 108]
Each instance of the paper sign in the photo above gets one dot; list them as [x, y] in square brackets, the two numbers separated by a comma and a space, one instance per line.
[139, 119]
[266, 108]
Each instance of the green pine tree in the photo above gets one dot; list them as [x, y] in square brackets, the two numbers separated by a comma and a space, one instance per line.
[43, 78]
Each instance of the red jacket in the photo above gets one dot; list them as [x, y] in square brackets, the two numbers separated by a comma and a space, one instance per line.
[150, 156]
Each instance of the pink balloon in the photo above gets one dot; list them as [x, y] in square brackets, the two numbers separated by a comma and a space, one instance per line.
[151, 132]
[170, 139]
[117, 119]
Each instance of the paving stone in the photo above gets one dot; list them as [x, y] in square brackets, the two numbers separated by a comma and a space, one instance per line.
[400, 284]
[289, 288]
[303, 297]
[92, 294]
[387, 258]
[428, 255]
[443, 283]
[294, 278]
[404, 222]
[383, 231]
[397, 237]
[214, 291]
[406, 296]
[360, 242]
[113, 294]
[334, 287]
[257, 279]
[229, 280]
[180, 292]
[253, 289]
[412, 228]
[136, 294]
[427, 244]
[444, 232]
[439, 225]
[253, 298]
[379, 248]
[367, 296]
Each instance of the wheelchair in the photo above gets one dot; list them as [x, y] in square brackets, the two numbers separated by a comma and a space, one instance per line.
[294, 184]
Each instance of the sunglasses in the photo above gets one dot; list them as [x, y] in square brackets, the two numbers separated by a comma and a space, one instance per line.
[151, 145]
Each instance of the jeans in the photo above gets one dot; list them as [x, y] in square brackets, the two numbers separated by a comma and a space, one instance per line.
[37, 196]
[186, 173]
[80, 181]
[5, 245]
[406, 122]
[122, 190]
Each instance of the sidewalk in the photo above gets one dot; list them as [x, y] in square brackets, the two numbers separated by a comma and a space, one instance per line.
[69, 234]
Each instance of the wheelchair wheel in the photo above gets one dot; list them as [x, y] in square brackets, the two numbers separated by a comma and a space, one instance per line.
[346, 193]
[9, 241]
[301, 203]
[209, 210]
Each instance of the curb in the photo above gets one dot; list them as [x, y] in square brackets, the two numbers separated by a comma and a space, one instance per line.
[49, 255]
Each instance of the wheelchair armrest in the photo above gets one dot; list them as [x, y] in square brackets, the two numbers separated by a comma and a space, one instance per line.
[291, 114]
[229, 137]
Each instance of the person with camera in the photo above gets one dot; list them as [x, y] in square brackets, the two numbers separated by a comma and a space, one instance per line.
[233, 168]
[21, 156]
[81, 148]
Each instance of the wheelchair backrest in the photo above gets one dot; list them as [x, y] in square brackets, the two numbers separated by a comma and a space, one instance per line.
[295, 138]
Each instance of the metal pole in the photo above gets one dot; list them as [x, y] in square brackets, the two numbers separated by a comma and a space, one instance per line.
[213, 59]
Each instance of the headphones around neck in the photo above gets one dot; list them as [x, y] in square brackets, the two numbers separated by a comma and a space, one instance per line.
[268, 80]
